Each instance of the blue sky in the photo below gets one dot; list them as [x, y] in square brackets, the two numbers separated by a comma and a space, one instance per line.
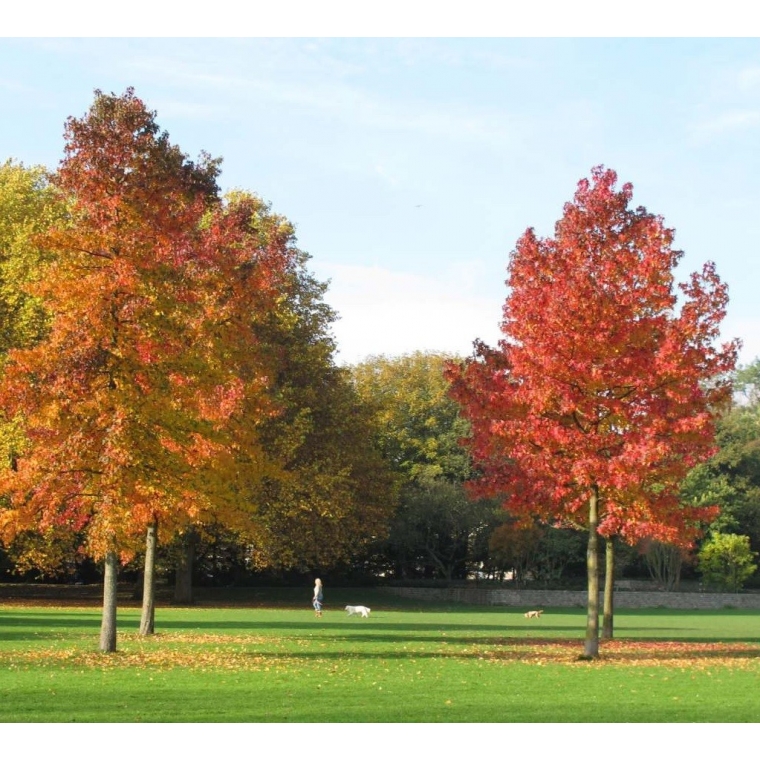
[410, 166]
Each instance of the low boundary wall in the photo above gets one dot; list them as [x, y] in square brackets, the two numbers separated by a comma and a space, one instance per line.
[539, 599]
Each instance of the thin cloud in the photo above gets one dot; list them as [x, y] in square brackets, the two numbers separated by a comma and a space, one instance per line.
[731, 121]
[387, 312]
[170, 109]
[749, 78]
[338, 100]
[386, 174]
[10, 85]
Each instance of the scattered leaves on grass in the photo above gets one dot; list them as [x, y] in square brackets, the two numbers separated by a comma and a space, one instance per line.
[210, 651]
[644, 653]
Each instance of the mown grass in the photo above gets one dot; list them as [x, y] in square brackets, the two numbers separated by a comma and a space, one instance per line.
[406, 663]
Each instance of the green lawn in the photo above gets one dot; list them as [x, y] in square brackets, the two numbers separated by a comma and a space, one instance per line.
[406, 663]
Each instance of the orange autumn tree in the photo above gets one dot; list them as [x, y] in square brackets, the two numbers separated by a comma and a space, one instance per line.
[250, 255]
[603, 392]
[129, 402]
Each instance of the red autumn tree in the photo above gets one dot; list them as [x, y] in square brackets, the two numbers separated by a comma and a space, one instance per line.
[603, 392]
[129, 404]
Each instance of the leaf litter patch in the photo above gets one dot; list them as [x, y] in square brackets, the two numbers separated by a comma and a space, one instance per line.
[206, 651]
[640, 653]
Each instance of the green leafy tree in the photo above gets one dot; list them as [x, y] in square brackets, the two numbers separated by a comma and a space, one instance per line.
[335, 493]
[325, 492]
[534, 551]
[437, 525]
[731, 477]
[727, 561]
[437, 528]
[558, 549]
[420, 425]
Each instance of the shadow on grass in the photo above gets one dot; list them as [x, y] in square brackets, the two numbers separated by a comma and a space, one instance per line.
[369, 628]
[374, 628]
[38, 629]
[337, 627]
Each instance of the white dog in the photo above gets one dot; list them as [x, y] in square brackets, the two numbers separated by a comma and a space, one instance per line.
[534, 614]
[358, 610]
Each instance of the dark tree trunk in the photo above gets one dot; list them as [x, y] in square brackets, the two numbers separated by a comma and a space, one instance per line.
[108, 624]
[137, 589]
[183, 581]
[609, 589]
[147, 619]
[591, 649]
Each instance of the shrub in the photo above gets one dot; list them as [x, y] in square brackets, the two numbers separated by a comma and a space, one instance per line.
[727, 561]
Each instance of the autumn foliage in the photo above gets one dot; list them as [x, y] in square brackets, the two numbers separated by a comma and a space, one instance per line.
[604, 390]
[172, 367]
[131, 405]
[149, 290]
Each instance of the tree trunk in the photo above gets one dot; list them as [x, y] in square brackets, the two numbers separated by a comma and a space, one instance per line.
[147, 619]
[108, 624]
[591, 649]
[183, 580]
[609, 589]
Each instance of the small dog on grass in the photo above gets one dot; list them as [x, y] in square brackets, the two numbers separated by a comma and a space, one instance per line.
[534, 614]
[358, 610]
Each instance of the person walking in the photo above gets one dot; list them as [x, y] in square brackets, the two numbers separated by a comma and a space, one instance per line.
[317, 601]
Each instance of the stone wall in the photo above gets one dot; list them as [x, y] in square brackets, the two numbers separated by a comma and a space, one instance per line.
[532, 600]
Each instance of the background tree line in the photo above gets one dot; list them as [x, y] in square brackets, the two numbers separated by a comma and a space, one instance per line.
[435, 531]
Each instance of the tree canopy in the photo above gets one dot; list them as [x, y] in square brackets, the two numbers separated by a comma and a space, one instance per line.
[149, 291]
[437, 526]
[605, 387]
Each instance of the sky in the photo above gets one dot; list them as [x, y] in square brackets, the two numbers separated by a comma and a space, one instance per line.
[410, 164]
